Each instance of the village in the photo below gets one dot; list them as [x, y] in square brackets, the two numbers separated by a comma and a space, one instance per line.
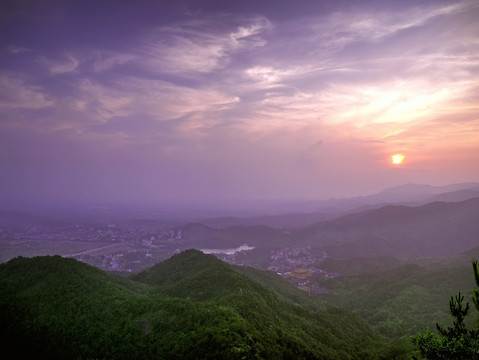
[111, 247]
[300, 266]
[133, 247]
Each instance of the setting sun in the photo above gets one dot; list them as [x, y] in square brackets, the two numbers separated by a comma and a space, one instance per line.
[397, 159]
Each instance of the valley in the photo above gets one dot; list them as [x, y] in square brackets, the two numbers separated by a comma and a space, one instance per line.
[392, 266]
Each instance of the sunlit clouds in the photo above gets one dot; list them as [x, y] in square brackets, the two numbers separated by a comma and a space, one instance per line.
[196, 46]
[247, 103]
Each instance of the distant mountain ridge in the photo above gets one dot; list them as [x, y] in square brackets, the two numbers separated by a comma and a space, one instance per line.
[323, 210]
[434, 229]
[412, 188]
[455, 196]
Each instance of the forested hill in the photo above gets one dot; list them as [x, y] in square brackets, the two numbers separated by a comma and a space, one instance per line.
[191, 306]
[437, 229]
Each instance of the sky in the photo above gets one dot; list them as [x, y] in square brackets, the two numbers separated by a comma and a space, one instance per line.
[195, 100]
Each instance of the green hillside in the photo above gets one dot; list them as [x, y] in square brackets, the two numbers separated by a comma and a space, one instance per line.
[190, 306]
[404, 300]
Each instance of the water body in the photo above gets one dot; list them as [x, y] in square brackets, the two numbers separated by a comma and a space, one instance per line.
[243, 247]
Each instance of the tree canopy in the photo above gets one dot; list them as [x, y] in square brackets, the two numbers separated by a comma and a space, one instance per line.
[456, 342]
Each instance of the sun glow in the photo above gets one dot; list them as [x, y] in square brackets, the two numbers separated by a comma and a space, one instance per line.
[397, 159]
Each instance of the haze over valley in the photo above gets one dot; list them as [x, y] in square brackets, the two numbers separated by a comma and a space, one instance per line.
[408, 221]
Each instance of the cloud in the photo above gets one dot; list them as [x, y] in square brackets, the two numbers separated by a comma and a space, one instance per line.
[17, 94]
[17, 49]
[114, 112]
[159, 99]
[342, 28]
[266, 77]
[107, 60]
[318, 144]
[64, 63]
[280, 89]
[197, 46]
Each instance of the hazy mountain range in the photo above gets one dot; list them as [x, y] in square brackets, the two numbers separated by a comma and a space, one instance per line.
[427, 227]
[407, 221]
[315, 211]
[279, 213]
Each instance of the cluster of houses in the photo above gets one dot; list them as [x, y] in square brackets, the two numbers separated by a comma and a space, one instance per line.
[307, 280]
[300, 267]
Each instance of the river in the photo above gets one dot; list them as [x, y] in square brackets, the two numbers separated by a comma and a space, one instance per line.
[243, 247]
